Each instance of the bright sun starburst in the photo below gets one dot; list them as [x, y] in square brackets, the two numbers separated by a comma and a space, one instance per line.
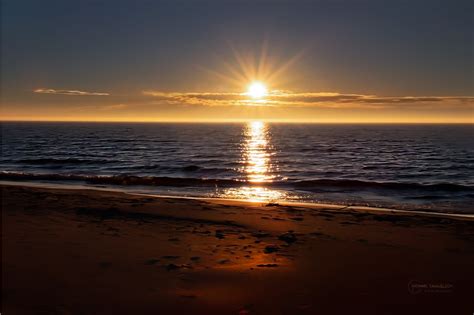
[257, 90]
[261, 74]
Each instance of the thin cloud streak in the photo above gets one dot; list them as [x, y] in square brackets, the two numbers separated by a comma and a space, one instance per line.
[308, 99]
[70, 92]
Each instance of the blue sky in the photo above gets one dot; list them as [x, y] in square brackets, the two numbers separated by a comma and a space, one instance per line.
[383, 48]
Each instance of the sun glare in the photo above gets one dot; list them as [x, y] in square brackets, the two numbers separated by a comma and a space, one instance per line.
[257, 90]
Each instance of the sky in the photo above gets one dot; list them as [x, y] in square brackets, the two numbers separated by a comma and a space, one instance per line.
[321, 61]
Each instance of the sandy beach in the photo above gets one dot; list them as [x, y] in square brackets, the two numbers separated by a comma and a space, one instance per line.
[96, 252]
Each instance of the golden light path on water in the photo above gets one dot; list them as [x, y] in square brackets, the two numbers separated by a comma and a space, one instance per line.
[256, 155]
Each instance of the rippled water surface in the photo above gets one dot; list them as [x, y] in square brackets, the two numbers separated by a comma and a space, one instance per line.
[404, 166]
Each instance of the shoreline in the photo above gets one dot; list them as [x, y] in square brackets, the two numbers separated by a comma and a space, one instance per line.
[315, 205]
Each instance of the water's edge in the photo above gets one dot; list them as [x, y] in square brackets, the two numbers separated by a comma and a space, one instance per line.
[64, 186]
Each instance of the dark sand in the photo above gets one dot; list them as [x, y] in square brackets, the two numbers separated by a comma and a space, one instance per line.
[94, 252]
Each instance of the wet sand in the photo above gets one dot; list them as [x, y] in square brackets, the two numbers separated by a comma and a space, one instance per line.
[96, 252]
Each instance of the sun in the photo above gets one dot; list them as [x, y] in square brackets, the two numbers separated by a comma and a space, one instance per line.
[257, 90]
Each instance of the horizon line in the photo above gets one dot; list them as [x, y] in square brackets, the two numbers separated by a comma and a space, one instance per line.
[241, 121]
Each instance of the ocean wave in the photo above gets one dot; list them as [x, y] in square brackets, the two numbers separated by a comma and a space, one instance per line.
[122, 179]
[191, 168]
[203, 170]
[358, 184]
[306, 185]
[65, 161]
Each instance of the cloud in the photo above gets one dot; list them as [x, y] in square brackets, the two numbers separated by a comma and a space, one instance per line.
[114, 107]
[70, 92]
[308, 99]
[208, 99]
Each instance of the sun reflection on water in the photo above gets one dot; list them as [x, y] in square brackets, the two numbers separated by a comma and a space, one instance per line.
[257, 194]
[258, 167]
[256, 153]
